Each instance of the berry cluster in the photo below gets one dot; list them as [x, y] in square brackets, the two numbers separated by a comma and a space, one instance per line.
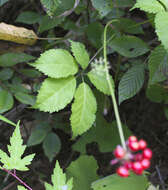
[136, 158]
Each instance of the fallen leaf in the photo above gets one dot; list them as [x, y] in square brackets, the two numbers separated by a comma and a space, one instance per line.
[16, 34]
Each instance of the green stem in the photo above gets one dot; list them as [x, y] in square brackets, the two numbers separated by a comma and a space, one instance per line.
[119, 125]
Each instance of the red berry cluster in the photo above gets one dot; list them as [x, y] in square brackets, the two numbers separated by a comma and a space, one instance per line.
[136, 157]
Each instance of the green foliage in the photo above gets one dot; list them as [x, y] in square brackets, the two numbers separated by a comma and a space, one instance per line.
[21, 187]
[115, 182]
[80, 53]
[158, 65]
[3, 2]
[25, 98]
[83, 110]
[131, 82]
[59, 180]
[83, 171]
[56, 63]
[28, 17]
[50, 5]
[6, 101]
[129, 46]
[6, 74]
[16, 150]
[51, 145]
[11, 59]
[152, 6]
[7, 120]
[161, 27]
[55, 94]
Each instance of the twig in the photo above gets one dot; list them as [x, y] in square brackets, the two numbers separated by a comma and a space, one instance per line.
[9, 186]
[160, 177]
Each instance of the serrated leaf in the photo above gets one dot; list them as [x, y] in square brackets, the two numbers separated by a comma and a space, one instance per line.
[83, 171]
[21, 187]
[51, 145]
[99, 80]
[161, 27]
[158, 66]
[152, 6]
[131, 82]
[104, 7]
[50, 5]
[83, 110]
[129, 46]
[10, 59]
[80, 53]
[16, 150]
[56, 63]
[59, 180]
[6, 101]
[115, 182]
[55, 94]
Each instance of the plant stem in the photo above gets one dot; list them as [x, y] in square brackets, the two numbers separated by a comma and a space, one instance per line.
[112, 91]
[15, 176]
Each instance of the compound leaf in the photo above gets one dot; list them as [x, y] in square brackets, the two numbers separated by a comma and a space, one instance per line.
[56, 63]
[161, 27]
[83, 110]
[16, 150]
[84, 178]
[59, 180]
[129, 46]
[80, 53]
[131, 82]
[55, 94]
[158, 60]
[152, 6]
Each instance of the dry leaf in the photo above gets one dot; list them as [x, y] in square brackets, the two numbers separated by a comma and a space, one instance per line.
[18, 35]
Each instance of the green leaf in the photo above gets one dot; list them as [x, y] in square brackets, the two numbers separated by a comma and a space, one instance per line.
[16, 150]
[83, 171]
[6, 101]
[32, 73]
[51, 145]
[104, 7]
[98, 79]
[21, 187]
[38, 134]
[115, 182]
[50, 5]
[127, 3]
[10, 59]
[3, 2]
[157, 93]
[95, 38]
[129, 46]
[83, 110]
[161, 27]
[56, 63]
[49, 23]
[80, 53]
[103, 133]
[28, 17]
[152, 6]
[59, 180]
[6, 74]
[131, 82]
[129, 26]
[158, 60]
[55, 94]
[7, 120]
[25, 98]
[165, 3]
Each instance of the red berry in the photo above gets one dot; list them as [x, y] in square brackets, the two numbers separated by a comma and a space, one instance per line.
[142, 144]
[123, 171]
[119, 152]
[133, 145]
[137, 167]
[138, 157]
[128, 165]
[132, 139]
[147, 153]
[145, 163]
